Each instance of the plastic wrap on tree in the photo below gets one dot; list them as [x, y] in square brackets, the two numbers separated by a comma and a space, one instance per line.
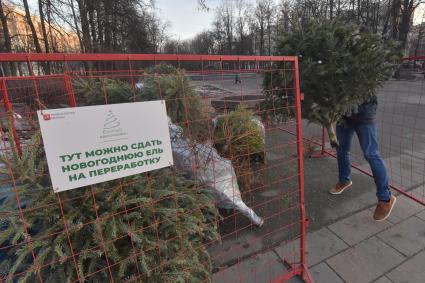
[262, 128]
[204, 163]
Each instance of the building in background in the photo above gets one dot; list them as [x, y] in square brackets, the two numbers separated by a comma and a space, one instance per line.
[60, 39]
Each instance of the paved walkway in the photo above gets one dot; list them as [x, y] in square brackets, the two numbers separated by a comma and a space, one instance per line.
[358, 249]
[355, 249]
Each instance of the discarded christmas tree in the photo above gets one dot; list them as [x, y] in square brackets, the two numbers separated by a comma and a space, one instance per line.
[184, 104]
[240, 138]
[341, 67]
[151, 227]
[238, 134]
[104, 91]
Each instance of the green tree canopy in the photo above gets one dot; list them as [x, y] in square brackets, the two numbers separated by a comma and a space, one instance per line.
[341, 67]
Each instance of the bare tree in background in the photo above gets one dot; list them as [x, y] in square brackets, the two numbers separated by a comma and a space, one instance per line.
[260, 16]
[76, 25]
[203, 5]
[99, 26]
[203, 43]
[85, 29]
[243, 38]
[6, 46]
[44, 31]
[37, 46]
[52, 38]
[283, 18]
[225, 12]
[270, 17]
[43, 26]
[408, 8]
[32, 27]
[239, 27]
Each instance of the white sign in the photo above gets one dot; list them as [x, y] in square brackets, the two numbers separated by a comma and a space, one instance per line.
[89, 145]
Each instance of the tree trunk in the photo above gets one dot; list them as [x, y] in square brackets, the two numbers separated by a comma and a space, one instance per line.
[74, 15]
[367, 13]
[359, 5]
[262, 38]
[404, 29]
[108, 30]
[34, 34]
[338, 12]
[43, 27]
[332, 135]
[406, 18]
[5, 26]
[49, 22]
[85, 26]
[99, 26]
[387, 20]
[269, 35]
[395, 15]
[114, 26]
[45, 37]
[92, 25]
[376, 17]
[8, 69]
[32, 27]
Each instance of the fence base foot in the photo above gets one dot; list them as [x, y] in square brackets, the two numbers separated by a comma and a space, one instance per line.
[306, 276]
[299, 271]
[322, 153]
[317, 154]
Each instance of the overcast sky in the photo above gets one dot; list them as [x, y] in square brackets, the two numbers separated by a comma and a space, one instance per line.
[186, 20]
[185, 17]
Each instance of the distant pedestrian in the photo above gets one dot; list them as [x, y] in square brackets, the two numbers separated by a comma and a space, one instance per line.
[238, 79]
[423, 68]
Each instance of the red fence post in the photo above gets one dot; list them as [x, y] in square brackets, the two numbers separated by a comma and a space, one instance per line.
[322, 152]
[133, 83]
[70, 90]
[305, 273]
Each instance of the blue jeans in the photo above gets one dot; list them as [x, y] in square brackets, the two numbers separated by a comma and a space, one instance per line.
[368, 142]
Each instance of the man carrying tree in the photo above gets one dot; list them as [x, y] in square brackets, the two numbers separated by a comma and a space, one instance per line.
[341, 68]
[423, 68]
[363, 124]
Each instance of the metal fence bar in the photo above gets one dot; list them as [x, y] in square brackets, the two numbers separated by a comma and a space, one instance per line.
[70, 57]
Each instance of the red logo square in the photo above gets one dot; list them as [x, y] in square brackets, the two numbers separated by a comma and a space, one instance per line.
[47, 117]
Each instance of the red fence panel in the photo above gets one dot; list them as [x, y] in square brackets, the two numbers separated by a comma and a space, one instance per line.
[159, 226]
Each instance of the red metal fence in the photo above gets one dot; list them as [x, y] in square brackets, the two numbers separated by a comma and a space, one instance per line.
[160, 226]
[401, 131]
